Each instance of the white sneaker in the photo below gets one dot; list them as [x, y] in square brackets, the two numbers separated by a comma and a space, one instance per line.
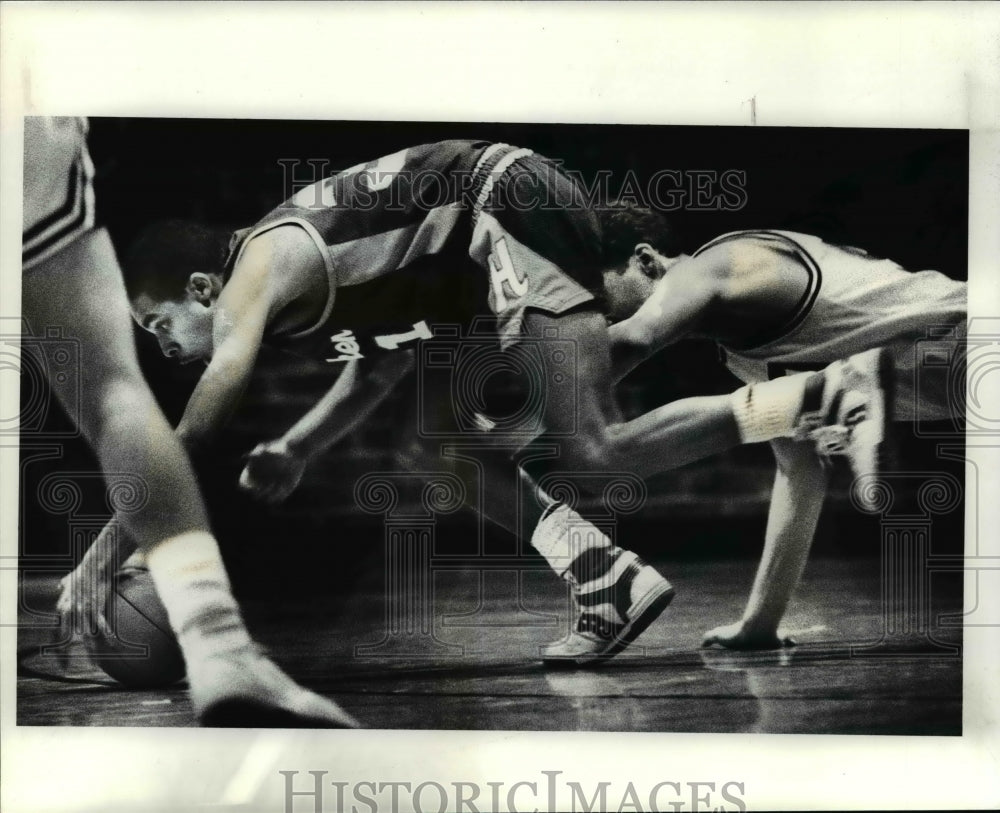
[245, 689]
[855, 415]
[615, 608]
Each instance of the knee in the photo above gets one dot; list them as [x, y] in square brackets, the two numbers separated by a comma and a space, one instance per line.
[120, 403]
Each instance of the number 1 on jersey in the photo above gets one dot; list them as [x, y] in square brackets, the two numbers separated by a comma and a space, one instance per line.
[392, 341]
[502, 271]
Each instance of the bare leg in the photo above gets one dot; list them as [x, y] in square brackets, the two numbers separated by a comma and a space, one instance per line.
[584, 412]
[80, 291]
[675, 434]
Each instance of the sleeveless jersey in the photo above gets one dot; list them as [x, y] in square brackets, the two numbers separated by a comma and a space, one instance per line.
[853, 302]
[396, 236]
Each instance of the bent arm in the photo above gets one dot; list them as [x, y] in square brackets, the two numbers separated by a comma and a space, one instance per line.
[348, 403]
[275, 468]
[796, 502]
[238, 330]
[676, 308]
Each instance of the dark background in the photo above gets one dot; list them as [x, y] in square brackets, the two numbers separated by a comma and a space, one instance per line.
[896, 193]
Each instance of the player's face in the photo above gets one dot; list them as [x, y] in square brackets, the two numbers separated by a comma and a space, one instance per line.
[183, 327]
[631, 284]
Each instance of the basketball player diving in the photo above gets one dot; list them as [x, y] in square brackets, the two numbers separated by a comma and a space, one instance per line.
[357, 268]
[72, 284]
[777, 302]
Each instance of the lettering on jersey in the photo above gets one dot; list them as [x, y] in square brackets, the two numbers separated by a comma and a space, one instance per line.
[317, 196]
[503, 273]
[348, 347]
[380, 173]
[374, 176]
[393, 341]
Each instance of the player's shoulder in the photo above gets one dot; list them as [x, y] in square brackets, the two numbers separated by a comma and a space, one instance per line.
[286, 245]
[711, 263]
[748, 252]
[286, 262]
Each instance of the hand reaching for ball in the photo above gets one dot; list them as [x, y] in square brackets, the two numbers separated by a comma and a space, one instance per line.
[83, 597]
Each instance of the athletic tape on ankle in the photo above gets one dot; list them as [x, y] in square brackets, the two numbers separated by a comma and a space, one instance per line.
[769, 409]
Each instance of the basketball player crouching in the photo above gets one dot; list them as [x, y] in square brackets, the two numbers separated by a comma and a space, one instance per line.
[778, 302]
[363, 255]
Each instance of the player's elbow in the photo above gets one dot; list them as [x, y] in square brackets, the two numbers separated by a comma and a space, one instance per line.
[634, 338]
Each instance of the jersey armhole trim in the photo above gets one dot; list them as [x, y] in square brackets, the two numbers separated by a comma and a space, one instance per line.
[327, 263]
[802, 308]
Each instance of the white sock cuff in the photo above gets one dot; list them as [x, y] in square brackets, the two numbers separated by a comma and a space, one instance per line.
[188, 555]
[769, 409]
[192, 583]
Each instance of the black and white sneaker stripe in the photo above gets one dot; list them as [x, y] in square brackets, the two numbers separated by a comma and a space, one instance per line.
[619, 596]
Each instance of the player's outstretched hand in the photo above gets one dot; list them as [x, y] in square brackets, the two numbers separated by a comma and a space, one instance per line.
[82, 598]
[272, 471]
[737, 636]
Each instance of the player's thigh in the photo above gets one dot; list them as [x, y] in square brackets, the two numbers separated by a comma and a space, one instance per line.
[80, 293]
[575, 366]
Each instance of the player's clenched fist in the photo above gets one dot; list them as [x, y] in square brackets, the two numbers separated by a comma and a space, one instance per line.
[737, 636]
[272, 471]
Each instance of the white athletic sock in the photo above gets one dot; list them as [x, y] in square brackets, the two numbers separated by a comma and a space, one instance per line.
[771, 409]
[562, 535]
[193, 585]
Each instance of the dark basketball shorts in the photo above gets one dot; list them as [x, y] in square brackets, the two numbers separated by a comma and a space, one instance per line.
[536, 237]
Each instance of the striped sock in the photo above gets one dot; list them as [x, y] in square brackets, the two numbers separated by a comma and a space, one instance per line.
[568, 542]
[194, 587]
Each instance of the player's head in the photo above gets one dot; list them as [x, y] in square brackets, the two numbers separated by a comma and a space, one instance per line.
[174, 274]
[639, 246]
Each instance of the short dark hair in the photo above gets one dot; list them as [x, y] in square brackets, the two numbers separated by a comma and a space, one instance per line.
[162, 258]
[625, 225]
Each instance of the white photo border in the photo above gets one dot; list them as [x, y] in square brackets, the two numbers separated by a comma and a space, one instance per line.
[832, 64]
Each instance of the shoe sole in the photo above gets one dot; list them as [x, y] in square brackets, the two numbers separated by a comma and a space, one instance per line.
[655, 603]
[247, 713]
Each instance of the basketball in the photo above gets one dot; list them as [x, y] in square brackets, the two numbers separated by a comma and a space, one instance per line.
[146, 653]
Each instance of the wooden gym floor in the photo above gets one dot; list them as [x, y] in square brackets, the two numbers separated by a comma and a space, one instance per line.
[477, 666]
